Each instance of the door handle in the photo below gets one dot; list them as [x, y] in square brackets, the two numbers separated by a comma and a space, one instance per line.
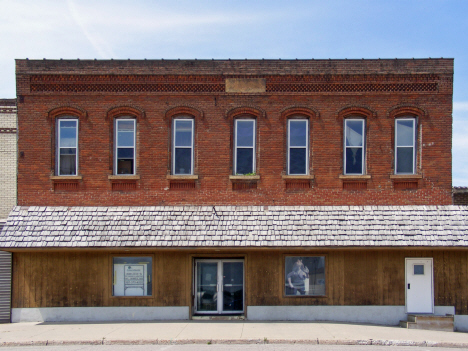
[409, 286]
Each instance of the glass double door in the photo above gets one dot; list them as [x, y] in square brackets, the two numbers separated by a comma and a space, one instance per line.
[219, 286]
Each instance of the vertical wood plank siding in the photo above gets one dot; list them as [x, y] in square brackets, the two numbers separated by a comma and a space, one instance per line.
[5, 286]
[358, 277]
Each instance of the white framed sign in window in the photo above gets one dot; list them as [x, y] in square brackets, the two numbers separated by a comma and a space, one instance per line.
[132, 276]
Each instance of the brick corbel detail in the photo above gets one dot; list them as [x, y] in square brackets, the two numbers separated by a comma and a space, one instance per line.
[294, 110]
[356, 110]
[245, 110]
[67, 111]
[183, 110]
[118, 111]
[402, 110]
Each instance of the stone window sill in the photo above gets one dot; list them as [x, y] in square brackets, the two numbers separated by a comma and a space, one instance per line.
[405, 176]
[354, 176]
[294, 177]
[59, 178]
[182, 177]
[244, 177]
[124, 177]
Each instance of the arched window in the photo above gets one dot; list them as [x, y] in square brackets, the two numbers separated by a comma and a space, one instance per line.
[67, 146]
[405, 145]
[298, 146]
[183, 145]
[354, 146]
[244, 146]
[125, 145]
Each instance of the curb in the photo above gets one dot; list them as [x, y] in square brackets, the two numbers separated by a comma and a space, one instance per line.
[237, 341]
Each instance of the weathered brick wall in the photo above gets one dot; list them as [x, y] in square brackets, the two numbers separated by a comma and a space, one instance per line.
[460, 196]
[325, 91]
[7, 156]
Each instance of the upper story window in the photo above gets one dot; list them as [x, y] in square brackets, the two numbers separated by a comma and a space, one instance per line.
[124, 146]
[405, 145]
[182, 146]
[244, 146]
[298, 146]
[67, 147]
[354, 136]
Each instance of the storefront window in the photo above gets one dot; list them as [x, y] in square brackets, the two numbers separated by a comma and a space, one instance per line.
[304, 275]
[132, 276]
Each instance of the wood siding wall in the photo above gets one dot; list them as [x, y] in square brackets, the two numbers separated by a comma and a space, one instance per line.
[353, 277]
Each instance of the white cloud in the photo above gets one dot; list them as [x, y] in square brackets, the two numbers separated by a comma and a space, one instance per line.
[460, 106]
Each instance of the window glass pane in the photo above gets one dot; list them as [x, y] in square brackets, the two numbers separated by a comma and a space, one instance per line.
[405, 133]
[297, 161]
[125, 153]
[233, 286]
[67, 163]
[354, 160]
[125, 139]
[124, 166]
[207, 282]
[304, 275]
[354, 133]
[183, 133]
[405, 160]
[418, 269]
[183, 161]
[132, 276]
[67, 133]
[68, 151]
[297, 133]
[125, 126]
[245, 133]
[244, 161]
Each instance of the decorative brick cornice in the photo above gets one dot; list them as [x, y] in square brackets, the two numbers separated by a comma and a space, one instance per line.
[356, 110]
[245, 110]
[183, 110]
[8, 130]
[8, 109]
[406, 109]
[293, 110]
[67, 110]
[118, 111]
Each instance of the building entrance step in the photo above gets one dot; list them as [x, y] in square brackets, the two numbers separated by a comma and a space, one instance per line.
[219, 317]
[429, 322]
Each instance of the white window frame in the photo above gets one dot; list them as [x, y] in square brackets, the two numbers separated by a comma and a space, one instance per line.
[116, 139]
[245, 147]
[363, 169]
[298, 147]
[413, 119]
[59, 146]
[174, 147]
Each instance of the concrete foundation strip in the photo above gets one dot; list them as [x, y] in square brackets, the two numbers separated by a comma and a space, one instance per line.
[238, 341]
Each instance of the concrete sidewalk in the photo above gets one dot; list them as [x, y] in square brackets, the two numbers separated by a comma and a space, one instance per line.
[237, 332]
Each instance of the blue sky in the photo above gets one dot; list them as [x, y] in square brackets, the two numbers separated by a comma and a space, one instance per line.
[243, 29]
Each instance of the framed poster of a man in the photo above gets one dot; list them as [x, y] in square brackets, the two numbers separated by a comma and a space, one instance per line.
[304, 276]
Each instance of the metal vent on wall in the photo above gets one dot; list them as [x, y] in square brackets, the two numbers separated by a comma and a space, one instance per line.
[244, 185]
[5, 286]
[182, 185]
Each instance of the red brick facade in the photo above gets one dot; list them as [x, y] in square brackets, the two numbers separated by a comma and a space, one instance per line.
[154, 92]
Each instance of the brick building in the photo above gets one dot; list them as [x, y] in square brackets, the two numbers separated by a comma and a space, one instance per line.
[7, 194]
[266, 189]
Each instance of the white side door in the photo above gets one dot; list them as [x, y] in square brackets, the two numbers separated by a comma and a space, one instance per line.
[419, 285]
